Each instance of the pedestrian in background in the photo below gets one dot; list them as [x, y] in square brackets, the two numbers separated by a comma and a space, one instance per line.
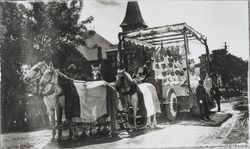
[202, 96]
[216, 92]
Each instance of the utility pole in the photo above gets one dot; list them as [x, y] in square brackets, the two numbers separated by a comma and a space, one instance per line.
[225, 45]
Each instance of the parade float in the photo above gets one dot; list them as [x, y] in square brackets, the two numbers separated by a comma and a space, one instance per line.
[167, 47]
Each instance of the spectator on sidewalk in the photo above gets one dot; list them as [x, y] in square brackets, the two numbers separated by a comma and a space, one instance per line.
[202, 96]
[217, 96]
[215, 92]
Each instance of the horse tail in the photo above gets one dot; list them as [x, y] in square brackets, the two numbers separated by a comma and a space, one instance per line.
[112, 105]
[141, 104]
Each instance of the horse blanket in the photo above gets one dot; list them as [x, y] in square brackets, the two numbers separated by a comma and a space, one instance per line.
[86, 101]
[72, 103]
[151, 100]
[97, 98]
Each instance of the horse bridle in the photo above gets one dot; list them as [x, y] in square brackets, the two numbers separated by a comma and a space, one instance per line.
[37, 74]
[97, 73]
[123, 79]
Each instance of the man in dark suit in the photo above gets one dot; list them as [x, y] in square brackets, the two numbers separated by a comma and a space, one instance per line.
[216, 95]
[202, 96]
[215, 90]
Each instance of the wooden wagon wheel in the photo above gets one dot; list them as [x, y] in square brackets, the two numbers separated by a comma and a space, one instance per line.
[172, 107]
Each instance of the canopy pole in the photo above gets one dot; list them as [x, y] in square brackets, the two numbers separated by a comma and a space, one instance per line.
[186, 52]
[207, 55]
[119, 58]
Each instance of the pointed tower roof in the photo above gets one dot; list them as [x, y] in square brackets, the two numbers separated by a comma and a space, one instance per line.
[133, 19]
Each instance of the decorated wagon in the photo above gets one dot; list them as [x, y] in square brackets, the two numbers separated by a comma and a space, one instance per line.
[168, 49]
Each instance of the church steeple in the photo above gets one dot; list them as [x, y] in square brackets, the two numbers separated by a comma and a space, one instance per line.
[133, 19]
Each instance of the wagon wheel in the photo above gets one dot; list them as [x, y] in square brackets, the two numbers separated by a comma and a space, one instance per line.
[172, 107]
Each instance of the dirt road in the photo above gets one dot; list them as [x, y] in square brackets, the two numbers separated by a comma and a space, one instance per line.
[171, 135]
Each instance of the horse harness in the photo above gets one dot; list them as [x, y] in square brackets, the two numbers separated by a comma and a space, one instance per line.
[52, 88]
[131, 86]
[37, 74]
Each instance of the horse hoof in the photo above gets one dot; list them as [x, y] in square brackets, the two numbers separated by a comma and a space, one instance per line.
[58, 139]
[52, 140]
[69, 139]
[129, 130]
[143, 127]
[154, 126]
[73, 139]
[114, 134]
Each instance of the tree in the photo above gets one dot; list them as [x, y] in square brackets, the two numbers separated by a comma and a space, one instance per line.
[230, 67]
[54, 29]
[33, 32]
[11, 55]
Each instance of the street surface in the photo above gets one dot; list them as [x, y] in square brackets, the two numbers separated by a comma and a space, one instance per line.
[166, 135]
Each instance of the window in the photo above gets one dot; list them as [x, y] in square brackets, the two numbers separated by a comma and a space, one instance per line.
[113, 61]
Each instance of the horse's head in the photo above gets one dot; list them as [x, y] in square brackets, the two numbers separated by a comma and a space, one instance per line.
[35, 72]
[96, 71]
[49, 76]
[123, 78]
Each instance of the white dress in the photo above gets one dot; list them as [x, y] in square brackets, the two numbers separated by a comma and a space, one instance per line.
[208, 85]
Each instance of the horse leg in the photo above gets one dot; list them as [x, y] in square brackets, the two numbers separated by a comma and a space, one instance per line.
[114, 125]
[134, 102]
[134, 113]
[149, 121]
[59, 122]
[52, 124]
[154, 123]
[72, 129]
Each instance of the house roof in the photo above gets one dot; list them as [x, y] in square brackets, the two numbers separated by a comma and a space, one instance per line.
[90, 50]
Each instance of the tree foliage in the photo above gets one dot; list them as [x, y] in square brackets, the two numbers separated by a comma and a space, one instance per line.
[33, 32]
[232, 68]
[54, 28]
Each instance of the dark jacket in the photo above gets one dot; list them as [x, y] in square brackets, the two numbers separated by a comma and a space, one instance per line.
[216, 93]
[201, 93]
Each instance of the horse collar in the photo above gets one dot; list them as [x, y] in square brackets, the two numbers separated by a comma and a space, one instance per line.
[51, 78]
[51, 91]
[37, 75]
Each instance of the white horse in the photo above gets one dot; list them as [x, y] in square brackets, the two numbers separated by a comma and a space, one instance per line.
[35, 73]
[54, 103]
[96, 71]
[96, 98]
[125, 83]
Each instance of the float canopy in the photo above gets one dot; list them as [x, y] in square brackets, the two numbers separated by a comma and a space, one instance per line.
[155, 36]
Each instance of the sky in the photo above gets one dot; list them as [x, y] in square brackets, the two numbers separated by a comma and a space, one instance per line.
[219, 21]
